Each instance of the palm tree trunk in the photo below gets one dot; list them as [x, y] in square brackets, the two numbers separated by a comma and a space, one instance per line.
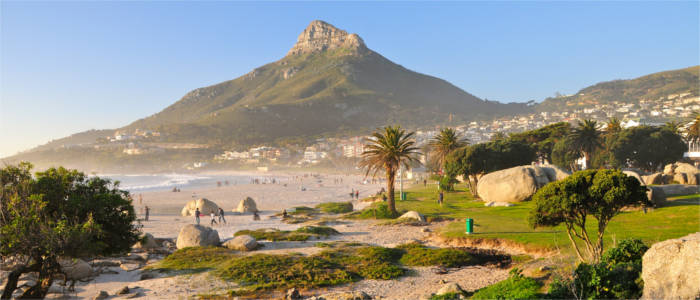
[390, 176]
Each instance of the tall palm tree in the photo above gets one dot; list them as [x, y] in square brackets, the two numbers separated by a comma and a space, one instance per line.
[444, 143]
[613, 126]
[386, 150]
[586, 139]
[693, 133]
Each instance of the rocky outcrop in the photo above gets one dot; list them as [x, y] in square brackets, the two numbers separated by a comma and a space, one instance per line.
[352, 295]
[242, 243]
[656, 178]
[450, 288]
[683, 173]
[74, 268]
[518, 183]
[147, 242]
[197, 235]
[413, 215]
[670, 269]
[635, 174]
[321, 36]
[246, 205]
[205, 207]
[656, 195]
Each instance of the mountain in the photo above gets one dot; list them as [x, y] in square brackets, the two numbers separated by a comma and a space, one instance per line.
[329, 81]
[649, 87]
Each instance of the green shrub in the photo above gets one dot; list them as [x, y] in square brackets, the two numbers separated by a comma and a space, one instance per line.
[419, 255]
[301, 210]
[516, 286]
[617, 275]
[378, 210]
[301, 234]
[195, 258]
[318, 230]
[335, 207]
[447, 296]
[447, 183]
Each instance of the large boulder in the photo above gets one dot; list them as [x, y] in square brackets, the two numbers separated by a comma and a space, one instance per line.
[686, 168]
[680, 178]
[656, 178]
[656, 195]
[671, 269]
[517, 184]
[413, 215]
[246, 205]
[683, 173]
[147, 242]
[205, 207]
[635, 174]
[197, 235]
[74, 268]
[242, 243]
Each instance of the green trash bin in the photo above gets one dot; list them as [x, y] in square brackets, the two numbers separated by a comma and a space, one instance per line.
[470, 225]
[403, 196]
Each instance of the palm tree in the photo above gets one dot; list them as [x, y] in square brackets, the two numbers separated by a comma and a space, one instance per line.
[586, 139]
[444, 143]
[673, 126]
[386, 151]
[613, 126]
[693, 133]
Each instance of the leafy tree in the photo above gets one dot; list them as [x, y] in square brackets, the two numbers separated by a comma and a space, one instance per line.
[386, 151]
[544, 139]
[444, 143]
[586, 138]
[693, 132]
[600, 194]
[613, 126]
[673, 126]
[648, 148]
[474, 161]
[56, 214]
[564, 155]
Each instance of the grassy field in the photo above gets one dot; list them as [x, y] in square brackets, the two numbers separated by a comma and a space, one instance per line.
[680, 217]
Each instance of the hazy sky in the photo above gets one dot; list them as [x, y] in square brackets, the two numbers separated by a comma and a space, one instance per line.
[66, 67]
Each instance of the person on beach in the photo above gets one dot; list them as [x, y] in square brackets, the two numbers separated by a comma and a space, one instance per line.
[441, 197]
[425, 182]
[213, 220]
[148, 210]
[196, 215]
[357, 195]
[284, 214]
[221, 216]
[256, 216]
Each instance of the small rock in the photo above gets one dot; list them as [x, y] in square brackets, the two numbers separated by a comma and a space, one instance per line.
[147, 275]
[242, 243]
[130, 266]
[354, 295]
[293, 294]
[122, 291]
[450, 288]
[414, 215]
[544, 268]
[425, 229]
[101, 295]
[440, 270]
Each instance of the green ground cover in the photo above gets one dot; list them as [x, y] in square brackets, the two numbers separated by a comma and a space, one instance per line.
[679, 217]
[300, 234]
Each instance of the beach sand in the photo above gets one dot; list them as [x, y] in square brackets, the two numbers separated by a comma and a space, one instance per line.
[165, 222]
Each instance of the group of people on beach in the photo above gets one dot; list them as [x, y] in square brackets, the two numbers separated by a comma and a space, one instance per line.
[220, 214]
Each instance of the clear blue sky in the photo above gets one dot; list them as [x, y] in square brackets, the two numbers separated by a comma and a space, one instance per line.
[72, 66]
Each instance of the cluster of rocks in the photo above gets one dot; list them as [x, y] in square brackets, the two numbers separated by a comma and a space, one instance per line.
[294, 294]
[516, 184]
[207, 207]
[125, 292]
[202, 236]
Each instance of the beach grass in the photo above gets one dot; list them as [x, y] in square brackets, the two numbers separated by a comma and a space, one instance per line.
[335, 207]
[300, 234]
[681, 216]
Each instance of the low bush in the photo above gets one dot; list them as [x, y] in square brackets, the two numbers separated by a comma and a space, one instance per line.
[419, 255]
[335, 207]
[617, 275]
[318, 230]
[195, 259]
[378, 210]
[301, 234]
[447, 296]
[516, 286]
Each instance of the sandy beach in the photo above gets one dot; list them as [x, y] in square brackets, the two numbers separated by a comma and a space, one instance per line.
[165, 221]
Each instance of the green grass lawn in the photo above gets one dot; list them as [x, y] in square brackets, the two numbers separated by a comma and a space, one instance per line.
[680, 217]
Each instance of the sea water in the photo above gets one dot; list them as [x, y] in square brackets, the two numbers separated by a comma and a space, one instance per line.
[162, 182]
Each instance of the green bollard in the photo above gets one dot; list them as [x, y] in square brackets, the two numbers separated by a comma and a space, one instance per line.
[470, 225]
[403, 196]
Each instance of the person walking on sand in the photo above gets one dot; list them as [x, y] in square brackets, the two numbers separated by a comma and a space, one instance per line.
[196, 215]
[213, 218]
[357, 194]
[425, 182]
[256, 216]
[148, 210]
[441, 197]
[221, 216]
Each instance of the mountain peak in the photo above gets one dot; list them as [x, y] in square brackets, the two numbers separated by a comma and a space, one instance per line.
[320, 36]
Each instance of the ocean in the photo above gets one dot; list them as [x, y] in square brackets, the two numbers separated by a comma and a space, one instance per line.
[163, 182]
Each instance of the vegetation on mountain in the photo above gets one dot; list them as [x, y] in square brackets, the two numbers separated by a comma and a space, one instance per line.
[387, 151]
[59, 214]
[600, 194]
[649, 87]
